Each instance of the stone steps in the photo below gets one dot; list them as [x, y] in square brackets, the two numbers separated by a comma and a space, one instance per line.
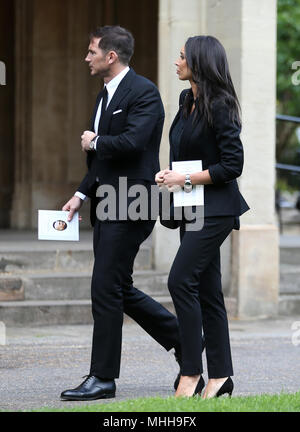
[289, 291]
[40, 260]
[77, 286]
[63, 297]
[289, 279]
[52, 312]
[45, 312]
[290, 255]
[289, 305]
[49, 282]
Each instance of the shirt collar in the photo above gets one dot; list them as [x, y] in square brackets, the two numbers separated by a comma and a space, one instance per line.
[113, 84]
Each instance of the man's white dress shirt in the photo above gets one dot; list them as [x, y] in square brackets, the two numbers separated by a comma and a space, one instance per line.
[111, 87]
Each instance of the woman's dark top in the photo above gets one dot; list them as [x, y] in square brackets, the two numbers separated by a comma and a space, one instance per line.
[221, 151]
[176, 136]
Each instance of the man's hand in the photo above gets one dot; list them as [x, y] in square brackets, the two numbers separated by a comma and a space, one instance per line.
[72, 206]
[86, 138]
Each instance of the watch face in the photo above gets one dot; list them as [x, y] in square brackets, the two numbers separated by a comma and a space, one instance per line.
[188, 187]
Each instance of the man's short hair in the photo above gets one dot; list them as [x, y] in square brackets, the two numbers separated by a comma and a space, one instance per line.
[115, 38]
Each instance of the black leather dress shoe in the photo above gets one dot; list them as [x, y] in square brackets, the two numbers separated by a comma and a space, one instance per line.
[92, 388]
[177, 355]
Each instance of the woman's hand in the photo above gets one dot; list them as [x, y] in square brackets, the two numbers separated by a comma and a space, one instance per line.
[173, 179]
[159, 177]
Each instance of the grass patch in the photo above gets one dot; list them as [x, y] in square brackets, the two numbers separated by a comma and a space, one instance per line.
[283, 402]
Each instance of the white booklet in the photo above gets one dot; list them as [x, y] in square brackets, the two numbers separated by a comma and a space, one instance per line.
[196, 196]
[54, 225]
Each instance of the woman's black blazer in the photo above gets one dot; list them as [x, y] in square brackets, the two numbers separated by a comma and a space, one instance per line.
[221, 151]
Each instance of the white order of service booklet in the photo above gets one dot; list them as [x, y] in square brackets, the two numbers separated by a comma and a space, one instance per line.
[196, 196]
[54, 225]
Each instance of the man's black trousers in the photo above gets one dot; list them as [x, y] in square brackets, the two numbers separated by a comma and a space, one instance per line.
[116, 245]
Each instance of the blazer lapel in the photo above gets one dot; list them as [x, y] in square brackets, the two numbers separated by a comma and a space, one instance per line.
[123, 88]
[173, 124]
[171, 157]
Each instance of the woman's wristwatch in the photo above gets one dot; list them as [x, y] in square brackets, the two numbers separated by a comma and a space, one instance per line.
[188, 183]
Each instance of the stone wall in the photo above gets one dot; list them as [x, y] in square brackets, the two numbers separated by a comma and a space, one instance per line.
[6, 112]
[54, 96]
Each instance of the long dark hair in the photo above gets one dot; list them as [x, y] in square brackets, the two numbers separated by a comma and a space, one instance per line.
[206, 57]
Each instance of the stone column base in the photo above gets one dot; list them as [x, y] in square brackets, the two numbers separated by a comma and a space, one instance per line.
[165, 246]
[255, 271]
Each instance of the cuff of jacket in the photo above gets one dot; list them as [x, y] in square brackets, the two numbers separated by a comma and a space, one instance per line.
[215, 174]
[220, 176]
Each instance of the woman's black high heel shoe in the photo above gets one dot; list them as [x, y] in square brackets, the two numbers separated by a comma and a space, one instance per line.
[178, 358]
[199, 386]
[227, 387]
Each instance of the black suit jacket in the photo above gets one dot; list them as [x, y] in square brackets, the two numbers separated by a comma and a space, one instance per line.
[130, 133]
[221, 151]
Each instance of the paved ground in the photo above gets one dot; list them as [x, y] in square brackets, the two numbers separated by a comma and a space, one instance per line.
[38, 363]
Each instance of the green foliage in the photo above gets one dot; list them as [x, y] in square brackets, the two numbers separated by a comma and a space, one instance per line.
[288, 25]
[283, 186]
[288, 94]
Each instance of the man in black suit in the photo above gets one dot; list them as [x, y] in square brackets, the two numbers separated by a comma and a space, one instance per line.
[123, 142]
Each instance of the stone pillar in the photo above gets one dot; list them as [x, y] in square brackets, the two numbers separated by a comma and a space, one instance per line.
[247, 29]
[177, 22]
[20, 216]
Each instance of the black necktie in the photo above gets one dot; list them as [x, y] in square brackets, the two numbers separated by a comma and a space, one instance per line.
[104, 102]
[103, 107]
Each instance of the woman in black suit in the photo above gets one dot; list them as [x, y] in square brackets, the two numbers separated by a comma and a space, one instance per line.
[206, 127]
